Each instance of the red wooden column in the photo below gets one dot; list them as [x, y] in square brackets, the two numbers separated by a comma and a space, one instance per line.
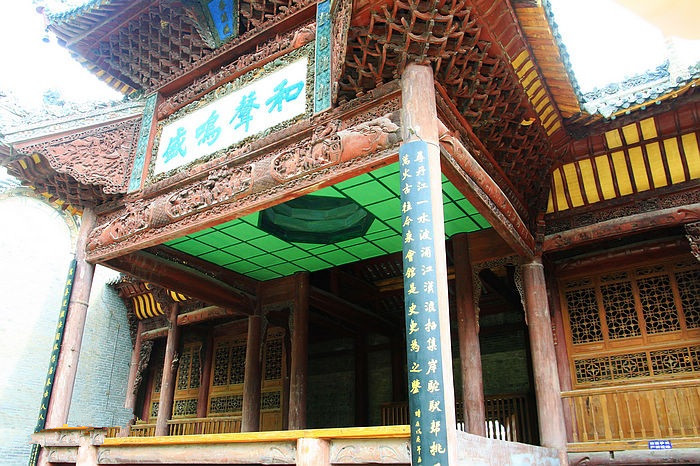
[251, 380]
[130, 401]
[167, 386]
[544, 361]
[67, 367]
[203, 394]
[300, 354]
[468, 330]
[429, 352]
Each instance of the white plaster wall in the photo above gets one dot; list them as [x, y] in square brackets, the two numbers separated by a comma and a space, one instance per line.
[35, 252]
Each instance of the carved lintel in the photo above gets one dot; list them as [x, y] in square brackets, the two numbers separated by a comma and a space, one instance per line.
[620, 227]
[229, 187]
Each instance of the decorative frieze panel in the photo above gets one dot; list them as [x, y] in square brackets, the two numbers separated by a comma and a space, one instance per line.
[227, 189]
[226, 404]
[270, 400]
[182, 408]
[101, 156]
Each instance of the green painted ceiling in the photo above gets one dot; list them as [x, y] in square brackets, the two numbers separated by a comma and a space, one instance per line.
[239, 245]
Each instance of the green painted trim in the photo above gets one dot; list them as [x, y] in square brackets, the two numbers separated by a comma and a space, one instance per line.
[53, 361]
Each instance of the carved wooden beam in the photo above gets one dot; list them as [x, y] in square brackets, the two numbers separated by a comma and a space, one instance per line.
[186, 280]
[205, 314]
[622, 226]
[483, 192]
[348, 312]
[245, 284]
[233, 189]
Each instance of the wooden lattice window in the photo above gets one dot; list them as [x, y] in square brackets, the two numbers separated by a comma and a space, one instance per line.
[633, 324]
[226, 389]
[187, 381]
[226, 392]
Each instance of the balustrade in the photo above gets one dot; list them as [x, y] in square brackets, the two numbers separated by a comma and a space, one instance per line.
[661, 410]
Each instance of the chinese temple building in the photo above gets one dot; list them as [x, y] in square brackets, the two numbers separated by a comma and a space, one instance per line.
[387, 232]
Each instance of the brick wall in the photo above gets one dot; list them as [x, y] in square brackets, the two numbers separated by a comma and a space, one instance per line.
[35, 250]
[35, 245]
[103, 369]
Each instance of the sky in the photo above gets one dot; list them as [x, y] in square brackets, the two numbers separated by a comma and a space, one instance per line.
[31, 66]
[592, 29]
[607, 43]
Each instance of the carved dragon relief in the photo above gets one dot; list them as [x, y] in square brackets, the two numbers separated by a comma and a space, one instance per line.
[227, 189]
[100, 156]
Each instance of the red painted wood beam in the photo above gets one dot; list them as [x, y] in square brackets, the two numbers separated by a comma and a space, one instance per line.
[185, 280]
[618, 227]
[482, 191]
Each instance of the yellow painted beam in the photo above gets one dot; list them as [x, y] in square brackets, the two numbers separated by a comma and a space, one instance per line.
[380, 432]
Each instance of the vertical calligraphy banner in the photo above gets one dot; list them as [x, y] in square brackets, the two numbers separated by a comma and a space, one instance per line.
[322, 76]
[53, 362]
[426, 367]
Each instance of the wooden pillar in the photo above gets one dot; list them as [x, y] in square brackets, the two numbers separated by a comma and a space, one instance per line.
[300, 354]
[87, 452]
[131, 389]
[361, 382]
[62, 391]
[544, 362]
[250, 421]
[468, 330]
[207, 364]
[170, 364]
[429, 352]
[313, 452]
[562, 354]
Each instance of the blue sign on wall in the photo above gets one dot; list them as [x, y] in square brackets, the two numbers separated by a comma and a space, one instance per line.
[224, 16]
[323, 78]
[660, 445]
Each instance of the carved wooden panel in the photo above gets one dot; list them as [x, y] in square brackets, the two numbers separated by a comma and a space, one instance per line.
[633, 323]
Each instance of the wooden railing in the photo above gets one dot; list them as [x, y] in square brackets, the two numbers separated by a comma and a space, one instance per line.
[635, 412]
[395, 414]
[113, 431]
[142, 430]
[205, 425]
[188, 426]
[508, 417]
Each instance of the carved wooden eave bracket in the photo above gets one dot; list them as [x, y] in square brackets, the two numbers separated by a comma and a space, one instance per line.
[692, 232]
[84, 166]
[254, 177]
